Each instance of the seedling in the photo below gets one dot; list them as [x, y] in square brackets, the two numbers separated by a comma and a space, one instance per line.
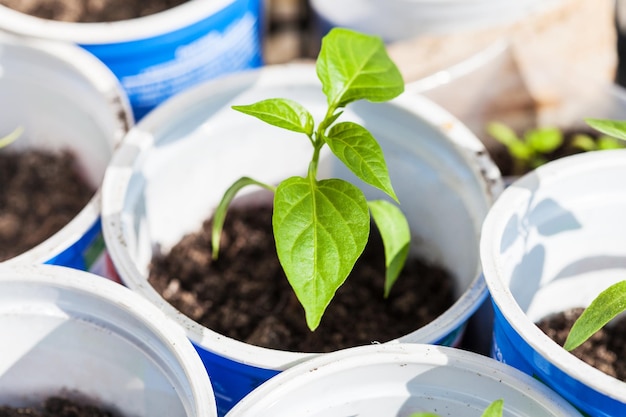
[11, 137]
[612, 301]
[529, 151]
[495, 409]
[321, 227]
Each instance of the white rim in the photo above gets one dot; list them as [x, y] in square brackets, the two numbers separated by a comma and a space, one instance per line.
[277, 389]
[493, 227]
[110, 32]
[121, 168]
[166, 331]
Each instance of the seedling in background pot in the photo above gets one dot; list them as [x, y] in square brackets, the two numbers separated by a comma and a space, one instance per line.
[11, 137]
[494, 409]
[612, 301]
[530, 150]
[321, 227]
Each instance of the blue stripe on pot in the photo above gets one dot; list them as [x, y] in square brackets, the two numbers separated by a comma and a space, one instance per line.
[155, 68]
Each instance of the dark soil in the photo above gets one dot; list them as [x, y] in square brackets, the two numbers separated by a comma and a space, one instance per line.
[57, 407]
[246, 296]
[605, 350]
[40, 193]
[89, 11]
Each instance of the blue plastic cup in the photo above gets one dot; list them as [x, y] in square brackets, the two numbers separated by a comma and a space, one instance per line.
[160, 55]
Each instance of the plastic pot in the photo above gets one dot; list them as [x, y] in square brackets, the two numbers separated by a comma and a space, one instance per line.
[554, 240]
[159, 55]
[151, 197]
[397, 380]
[68, 332]
[396, 20]
[64, 98]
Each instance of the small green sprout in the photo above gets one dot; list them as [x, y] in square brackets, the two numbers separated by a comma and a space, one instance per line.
[586, 143]
[495, 409]
[321, 227]
[612, 301]
[11, 137]
[530, 150]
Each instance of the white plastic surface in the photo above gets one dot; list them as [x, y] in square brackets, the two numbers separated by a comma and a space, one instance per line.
[68, 331]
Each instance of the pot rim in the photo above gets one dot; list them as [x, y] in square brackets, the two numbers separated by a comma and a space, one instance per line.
[516, 195]
[466, 363]
[111, 32]
[115, 185]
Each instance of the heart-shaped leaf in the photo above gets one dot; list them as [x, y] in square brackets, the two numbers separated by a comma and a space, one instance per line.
[321, 229]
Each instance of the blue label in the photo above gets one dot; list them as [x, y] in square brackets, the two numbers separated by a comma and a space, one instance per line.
[154, 69]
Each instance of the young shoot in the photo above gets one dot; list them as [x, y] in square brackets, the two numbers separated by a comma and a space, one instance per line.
[495, 409]
[321, 227]
[528, 151]
[11, 137]
[612, 301]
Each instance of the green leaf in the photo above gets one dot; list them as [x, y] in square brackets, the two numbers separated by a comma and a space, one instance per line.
[608, 304]
[502, 133]
[358, 150]
[545, 139]
[396, 235]
[281, 112]
[11, 137]
[320, 229]
[495, 409]
[220, 212]
[354, 66]
[615, 128]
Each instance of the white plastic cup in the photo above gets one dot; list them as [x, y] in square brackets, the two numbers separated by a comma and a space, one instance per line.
[64, 98]
[159, 55]
[397, 380]
[176, 163]
[396, 20]
[65, 331]
[553, 241]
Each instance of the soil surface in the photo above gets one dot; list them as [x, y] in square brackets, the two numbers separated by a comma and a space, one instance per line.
[605, 350]
[245, 294]
[57, 407]
[90, 11]
[40, 193]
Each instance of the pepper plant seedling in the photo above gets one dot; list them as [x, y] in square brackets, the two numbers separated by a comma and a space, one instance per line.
[495, 409]
[321, 227]
[528, 151]
[11, 137]
[612, 301]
